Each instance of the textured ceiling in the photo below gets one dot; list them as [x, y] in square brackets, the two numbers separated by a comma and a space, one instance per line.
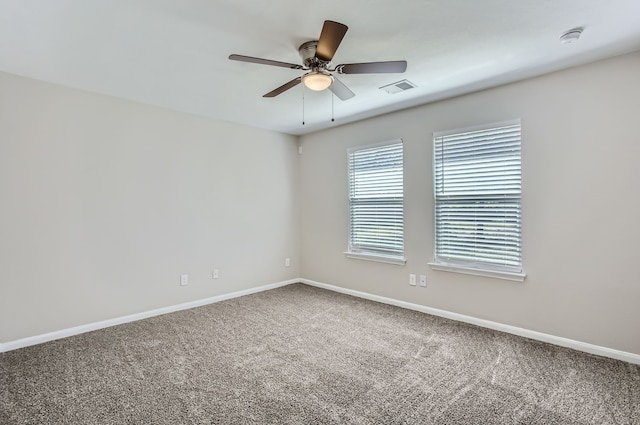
[173, 53]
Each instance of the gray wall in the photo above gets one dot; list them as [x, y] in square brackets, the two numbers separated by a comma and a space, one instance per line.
[104, 203]
[581, 205]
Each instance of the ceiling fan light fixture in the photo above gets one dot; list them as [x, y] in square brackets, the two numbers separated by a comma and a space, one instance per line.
[317, 81]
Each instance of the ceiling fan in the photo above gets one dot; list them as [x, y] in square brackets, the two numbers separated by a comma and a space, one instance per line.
[316, 58]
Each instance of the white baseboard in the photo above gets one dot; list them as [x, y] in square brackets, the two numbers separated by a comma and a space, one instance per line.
[39, 339]
[551, 339]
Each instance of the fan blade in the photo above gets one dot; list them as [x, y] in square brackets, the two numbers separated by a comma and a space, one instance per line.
[339, 89]
[330, 38]
[261, 61]
[284, 87]
[373, 67]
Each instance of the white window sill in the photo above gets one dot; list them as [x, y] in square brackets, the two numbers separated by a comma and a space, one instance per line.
[513, 276]
[377, 258]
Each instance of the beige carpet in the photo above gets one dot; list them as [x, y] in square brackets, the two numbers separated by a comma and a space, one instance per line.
[302, 355]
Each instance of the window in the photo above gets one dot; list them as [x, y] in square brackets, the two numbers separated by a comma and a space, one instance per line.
[477, 182]
[376, 214]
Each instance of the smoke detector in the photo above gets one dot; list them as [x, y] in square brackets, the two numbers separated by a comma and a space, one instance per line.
[571, 36]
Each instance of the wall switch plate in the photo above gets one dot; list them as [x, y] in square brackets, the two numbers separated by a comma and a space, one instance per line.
[423, 280]
[287, 262]
[412, 279]
[216, 274]
[184, 279]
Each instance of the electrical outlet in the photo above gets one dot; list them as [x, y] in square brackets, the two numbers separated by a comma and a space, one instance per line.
[184, 279]
[287, 262]
[216, 274]
[412, 279]
[423, 280]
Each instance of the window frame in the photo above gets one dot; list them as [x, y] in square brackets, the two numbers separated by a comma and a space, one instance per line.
[471, 267]
[360, 253]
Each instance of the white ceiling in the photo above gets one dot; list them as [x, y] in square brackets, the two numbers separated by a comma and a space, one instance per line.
[173, 53]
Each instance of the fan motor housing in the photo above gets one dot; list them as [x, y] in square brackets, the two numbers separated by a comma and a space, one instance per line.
[308, 53]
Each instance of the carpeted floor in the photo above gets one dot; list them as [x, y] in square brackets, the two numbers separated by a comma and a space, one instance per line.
[302, 355]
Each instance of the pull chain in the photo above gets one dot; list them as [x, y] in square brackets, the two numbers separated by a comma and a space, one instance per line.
[332, 106]
[332, 96]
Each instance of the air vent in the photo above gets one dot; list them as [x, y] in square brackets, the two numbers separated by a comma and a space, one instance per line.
[398, 86]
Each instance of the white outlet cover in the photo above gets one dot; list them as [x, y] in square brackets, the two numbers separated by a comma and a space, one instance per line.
[423, 280]
[184, 279]
[412, 279]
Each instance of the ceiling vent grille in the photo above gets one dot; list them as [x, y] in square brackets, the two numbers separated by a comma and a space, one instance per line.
[398, 86]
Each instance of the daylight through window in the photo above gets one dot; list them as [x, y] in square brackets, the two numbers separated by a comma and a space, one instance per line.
[376, 224]
[477, 179]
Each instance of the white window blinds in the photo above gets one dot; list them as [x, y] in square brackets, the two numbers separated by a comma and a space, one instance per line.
[376, 224]
[477, 198]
